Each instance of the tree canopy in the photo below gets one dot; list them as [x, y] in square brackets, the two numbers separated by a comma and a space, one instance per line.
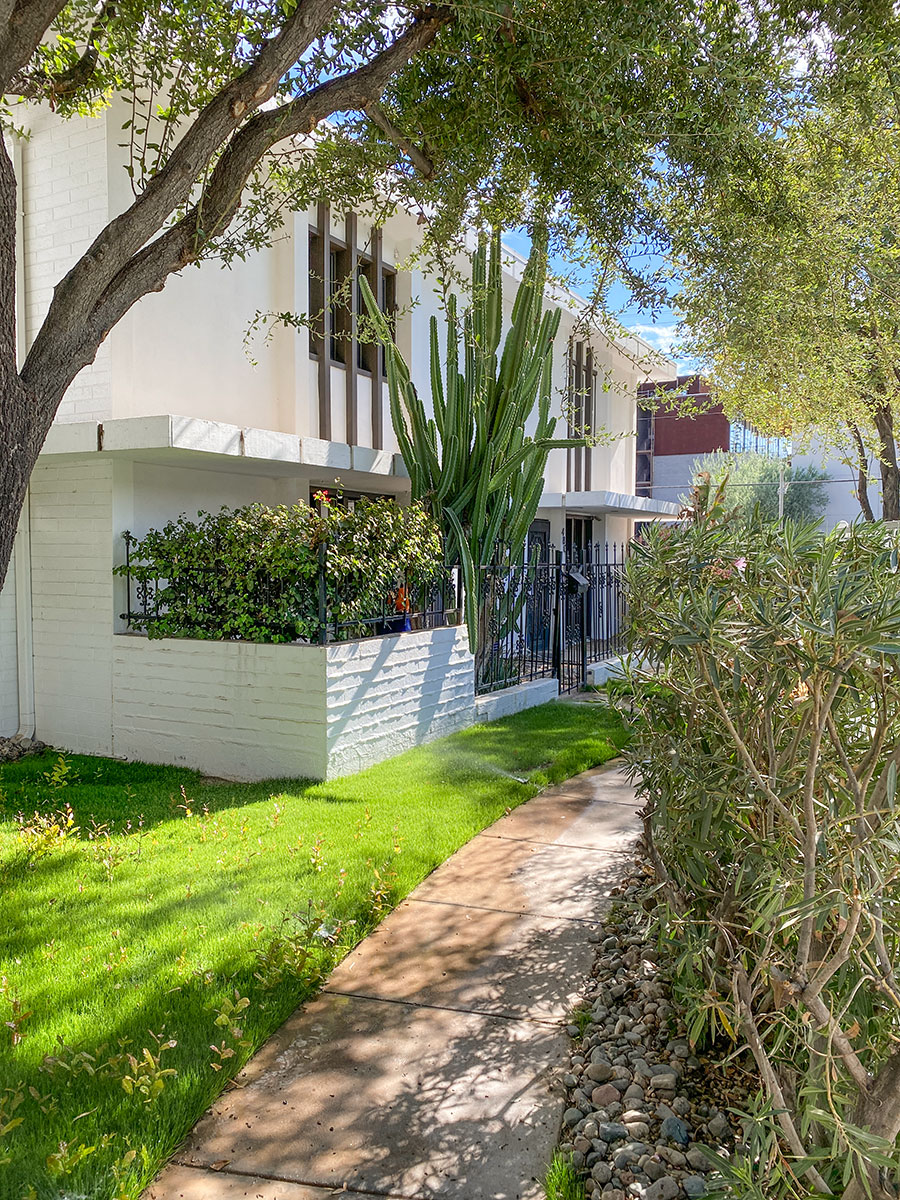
[469, 113]
[751, 484]
[791, 283]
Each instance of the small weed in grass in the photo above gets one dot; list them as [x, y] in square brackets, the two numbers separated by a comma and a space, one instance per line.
[156, 927]
[561, 1181]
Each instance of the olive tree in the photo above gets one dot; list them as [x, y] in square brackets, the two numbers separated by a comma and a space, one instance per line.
[789, 292]
[752, 482]
[466, 112]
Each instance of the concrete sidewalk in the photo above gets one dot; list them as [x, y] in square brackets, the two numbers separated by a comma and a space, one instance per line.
[429, 1066]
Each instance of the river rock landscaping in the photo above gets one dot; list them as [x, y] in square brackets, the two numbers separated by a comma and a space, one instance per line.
[645, 1115]
[16, 747]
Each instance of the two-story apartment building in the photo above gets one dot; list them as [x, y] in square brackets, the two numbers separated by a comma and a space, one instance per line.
[183, 410]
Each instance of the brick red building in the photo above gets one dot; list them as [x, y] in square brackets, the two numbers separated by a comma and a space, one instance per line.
[668, 444]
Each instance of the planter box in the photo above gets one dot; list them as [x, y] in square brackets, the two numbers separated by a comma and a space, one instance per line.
[247, 711]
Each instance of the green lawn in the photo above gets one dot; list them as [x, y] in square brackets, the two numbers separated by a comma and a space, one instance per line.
[125, 944]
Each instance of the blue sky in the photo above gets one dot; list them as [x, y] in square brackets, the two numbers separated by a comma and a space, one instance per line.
[657, 328]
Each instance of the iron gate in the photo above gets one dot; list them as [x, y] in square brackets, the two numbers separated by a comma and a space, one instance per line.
[550, 616]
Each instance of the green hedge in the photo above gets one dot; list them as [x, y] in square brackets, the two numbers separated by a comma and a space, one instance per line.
[252, 573]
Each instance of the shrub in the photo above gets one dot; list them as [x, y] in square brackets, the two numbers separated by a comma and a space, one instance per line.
[751, 481]
[768, 754]
[253, 573]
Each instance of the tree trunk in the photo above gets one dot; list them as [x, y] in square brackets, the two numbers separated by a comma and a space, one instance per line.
[879, 1112]
[19, 448]
[890, 472]
[20, 439]
[862, 478]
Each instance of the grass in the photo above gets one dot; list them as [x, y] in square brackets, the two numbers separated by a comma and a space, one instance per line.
[156, 927]
[580, 1017]
[561, 1181]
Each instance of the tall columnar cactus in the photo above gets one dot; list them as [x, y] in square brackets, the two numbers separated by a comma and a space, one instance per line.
[472, 463]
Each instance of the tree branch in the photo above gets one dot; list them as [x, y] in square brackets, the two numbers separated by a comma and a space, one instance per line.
[220, 199]
[417, 157]
[822, 709]
[42, 87]
[862, 485]
[746, 756]
[79, 291]
[817, 1007]
[21, 34]
[744, 1005]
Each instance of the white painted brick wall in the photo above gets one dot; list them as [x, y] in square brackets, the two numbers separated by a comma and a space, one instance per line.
[246, 711]
[388, 694]
[65, 204]
[235, 709]
[72, 598]
[9, 683]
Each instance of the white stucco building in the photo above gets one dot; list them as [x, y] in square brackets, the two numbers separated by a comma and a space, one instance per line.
[176, 415]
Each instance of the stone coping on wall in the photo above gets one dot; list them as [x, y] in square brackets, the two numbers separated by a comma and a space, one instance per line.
[495, 705]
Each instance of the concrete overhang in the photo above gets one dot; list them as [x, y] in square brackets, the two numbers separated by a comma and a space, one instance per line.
[170, 440]
[621, 504]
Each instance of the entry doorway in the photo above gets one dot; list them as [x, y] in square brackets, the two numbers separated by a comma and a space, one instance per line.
[539, 541]
[578, 539]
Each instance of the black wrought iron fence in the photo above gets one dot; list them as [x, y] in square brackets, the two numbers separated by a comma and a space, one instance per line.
[518, 621]
[550, 617]
[603, 616]
[546, 617]
[307, 605]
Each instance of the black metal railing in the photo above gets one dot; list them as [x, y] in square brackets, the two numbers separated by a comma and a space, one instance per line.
[309, 606]
[603, 609]
[550, 617]
[518, 622]
[546, 617]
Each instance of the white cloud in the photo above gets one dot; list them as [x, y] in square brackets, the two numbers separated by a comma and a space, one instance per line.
[660, 337]
[664, 338]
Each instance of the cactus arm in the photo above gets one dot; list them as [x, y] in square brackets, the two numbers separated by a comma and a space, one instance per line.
[451, 409]
[470, 578]
[449, 467]
[515, 462]
[479, 512]
[437, 387]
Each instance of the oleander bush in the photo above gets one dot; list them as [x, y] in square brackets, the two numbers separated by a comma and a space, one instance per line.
[253, 573]
[768, 750]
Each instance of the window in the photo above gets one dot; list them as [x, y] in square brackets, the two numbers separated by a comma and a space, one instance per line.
[337, 265]
[644, 429]
[317, 276]
[338, 315]
[744, 438]
[582, 395]
[369, 355]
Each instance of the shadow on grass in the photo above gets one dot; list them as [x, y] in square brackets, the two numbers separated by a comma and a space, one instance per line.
[112, 793]
[191, 931]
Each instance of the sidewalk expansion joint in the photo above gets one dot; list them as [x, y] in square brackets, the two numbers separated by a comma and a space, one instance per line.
[505, 837]
[329, 1189]
[511, 912]
[553, 1022]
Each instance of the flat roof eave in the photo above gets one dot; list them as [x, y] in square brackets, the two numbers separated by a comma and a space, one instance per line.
[601, 503]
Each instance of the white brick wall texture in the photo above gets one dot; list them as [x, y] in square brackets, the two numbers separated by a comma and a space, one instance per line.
[232, 709]
[72, 599]
[65, 204]
[388, 694]
[246, 711]
[9, 681]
